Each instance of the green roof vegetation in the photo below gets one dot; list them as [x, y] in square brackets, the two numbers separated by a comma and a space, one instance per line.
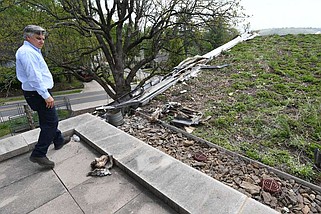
[266, 104]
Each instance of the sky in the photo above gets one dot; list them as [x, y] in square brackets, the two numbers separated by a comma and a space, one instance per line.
[283, 13]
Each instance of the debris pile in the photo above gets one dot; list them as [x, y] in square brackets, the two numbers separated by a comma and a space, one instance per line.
[190, 67]
[101, 166]
[182, 117]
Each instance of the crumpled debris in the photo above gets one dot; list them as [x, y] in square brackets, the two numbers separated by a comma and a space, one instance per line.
[182, 116]
[270, 185]
[99, 172]
[76, 138]
[100, 166]
[199, 156]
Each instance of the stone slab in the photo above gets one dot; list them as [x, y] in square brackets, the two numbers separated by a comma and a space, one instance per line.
[41, 187]
[106, 194]
[69, 150]
[31, 137]
[24, 142]
[73, 171]
[15, 169]
[96, 130]
[146, 203]
[12, 146]
[63, 204]
[119, 145]
[71, 123]
[176, 181]
[255, 207]
[189, 189]
[146, 159]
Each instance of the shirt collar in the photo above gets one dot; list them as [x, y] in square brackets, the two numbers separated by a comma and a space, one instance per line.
[31, 45]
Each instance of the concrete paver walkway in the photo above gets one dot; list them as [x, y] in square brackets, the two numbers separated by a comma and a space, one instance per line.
[27, 188]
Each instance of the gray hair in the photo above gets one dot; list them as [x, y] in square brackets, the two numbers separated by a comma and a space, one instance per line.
[30, 30]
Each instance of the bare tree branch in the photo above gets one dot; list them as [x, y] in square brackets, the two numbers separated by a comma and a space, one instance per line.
[125, 28]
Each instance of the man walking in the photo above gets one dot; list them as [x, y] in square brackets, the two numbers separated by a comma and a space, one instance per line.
[32, 71]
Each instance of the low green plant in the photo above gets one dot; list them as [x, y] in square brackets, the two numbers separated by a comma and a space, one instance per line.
[4, 129]
[303, 170]
[270, 98]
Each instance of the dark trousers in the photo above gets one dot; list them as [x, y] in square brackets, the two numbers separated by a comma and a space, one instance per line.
[48, 122]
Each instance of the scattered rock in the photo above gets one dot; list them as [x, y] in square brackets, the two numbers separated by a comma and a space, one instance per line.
[299, 198]
[188, 143]
[199, 164]
[291, 197]
[267, 198]
[230, 170]
[285, 209]
[306, 209]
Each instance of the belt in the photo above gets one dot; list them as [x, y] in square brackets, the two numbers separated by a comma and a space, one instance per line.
[34, 92]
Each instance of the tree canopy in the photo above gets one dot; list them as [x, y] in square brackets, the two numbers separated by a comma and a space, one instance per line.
[107, 38]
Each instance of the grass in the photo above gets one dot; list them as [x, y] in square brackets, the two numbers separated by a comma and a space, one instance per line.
[278, 92]
[4, 129]
[19, 124]
[267, 103]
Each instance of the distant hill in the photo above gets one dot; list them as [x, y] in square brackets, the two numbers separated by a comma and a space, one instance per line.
[284, 31]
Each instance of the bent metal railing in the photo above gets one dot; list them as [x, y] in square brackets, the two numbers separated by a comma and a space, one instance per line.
[186, 69]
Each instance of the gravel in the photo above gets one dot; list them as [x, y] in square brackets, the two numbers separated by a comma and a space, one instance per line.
[231, 170]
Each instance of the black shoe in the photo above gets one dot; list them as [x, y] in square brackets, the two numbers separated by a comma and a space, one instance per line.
[66, 140]
[42, 161]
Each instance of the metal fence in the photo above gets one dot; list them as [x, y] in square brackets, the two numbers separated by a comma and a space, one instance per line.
[19, 117]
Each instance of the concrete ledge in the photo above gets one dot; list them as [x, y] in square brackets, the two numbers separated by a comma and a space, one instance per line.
[251, 206]
[12, 146]
[25, 142]
[182, 187]
[72, 123]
